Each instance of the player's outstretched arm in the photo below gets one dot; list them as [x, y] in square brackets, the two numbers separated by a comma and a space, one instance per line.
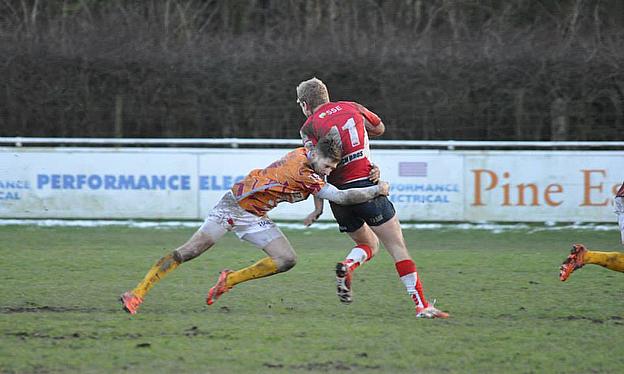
[353, 195]
[374, 174]
[318, 210]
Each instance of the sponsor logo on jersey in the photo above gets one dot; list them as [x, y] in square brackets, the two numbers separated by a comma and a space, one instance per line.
[351, 157]
[330, 111]
[264, 223]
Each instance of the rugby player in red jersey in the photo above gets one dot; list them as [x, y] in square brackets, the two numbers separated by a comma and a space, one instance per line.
[364, 222]
[581, 256]
[243, 210]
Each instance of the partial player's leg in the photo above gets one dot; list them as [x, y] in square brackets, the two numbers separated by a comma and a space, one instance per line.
[618, 203]
[366, 246]
[281, 258]
[217, 222]
[391, 236]
[621, 223]
[610, 260]
[202, 240]
[581, 256]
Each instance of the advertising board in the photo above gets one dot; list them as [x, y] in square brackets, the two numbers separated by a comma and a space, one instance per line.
[426, 185]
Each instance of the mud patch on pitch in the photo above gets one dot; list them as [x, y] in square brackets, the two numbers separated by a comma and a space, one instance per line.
[45, 309]
[36, 369]
[272, 365]
[23, 335]
[614, 319]
[327, 366]
[194, 331]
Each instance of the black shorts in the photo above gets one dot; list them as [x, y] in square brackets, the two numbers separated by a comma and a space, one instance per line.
[373, 212]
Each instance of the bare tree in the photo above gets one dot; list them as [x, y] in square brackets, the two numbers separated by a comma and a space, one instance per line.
[440, 69]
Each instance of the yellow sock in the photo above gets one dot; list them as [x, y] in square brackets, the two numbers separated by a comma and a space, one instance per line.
[260, 269]
[159, 270]
[610, 260]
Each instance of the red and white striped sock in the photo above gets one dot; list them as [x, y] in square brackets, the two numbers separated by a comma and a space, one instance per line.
[358, 255]
[409, 277]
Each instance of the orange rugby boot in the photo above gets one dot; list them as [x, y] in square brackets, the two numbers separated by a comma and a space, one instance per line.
[219, 288]
[130, 302]
[430, 312]
[573, 262]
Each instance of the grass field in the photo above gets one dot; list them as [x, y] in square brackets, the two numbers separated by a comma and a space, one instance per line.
[510, 313]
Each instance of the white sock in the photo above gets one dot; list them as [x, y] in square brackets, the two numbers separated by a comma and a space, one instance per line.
[410, 280]
[357, 255]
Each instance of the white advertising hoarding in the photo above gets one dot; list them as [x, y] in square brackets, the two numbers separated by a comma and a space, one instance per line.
[86, 183]
[426, 185]
[541, 185]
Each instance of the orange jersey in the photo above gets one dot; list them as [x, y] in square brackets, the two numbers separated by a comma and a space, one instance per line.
[290, 179]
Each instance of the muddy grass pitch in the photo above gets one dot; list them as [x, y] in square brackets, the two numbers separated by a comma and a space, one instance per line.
[510, 313]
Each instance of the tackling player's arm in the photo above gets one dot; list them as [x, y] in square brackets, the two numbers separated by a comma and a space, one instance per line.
[308, 137]
[307, 142]
[353, 195]
[318, 210]
[374, 174]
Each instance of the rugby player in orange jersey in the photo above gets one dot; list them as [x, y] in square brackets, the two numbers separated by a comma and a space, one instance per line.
[581, 256]
[364, 222]
[243, 210]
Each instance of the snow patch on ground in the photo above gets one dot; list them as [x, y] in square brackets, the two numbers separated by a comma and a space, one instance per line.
[488, 226]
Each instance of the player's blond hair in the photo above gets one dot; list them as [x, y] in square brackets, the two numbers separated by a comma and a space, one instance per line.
[329, 146]
[313, 91]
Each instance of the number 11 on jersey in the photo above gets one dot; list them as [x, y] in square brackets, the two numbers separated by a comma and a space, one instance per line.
[353, 134]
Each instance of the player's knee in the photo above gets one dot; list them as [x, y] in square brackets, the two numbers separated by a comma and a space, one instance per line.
[374, 246]
[286, 262]
[177, 256]
[190, 251]
[371, 243]
[185, 254]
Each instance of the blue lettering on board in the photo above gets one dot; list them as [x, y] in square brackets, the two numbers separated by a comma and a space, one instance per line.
[9, 195]
[133, 182]
[217, 183]
[419, 199]
[14, 185]
[10, 189]
[432, 193]
[450, 187]
[113, 182]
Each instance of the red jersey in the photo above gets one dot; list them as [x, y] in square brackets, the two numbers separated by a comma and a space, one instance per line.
[348, 118]
[290, 179]
[620, 192]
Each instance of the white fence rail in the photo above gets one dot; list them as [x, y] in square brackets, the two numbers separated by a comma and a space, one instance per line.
[236, 142]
